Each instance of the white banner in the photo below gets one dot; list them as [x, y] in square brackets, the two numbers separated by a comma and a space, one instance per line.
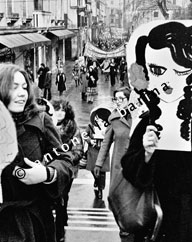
[94, 52]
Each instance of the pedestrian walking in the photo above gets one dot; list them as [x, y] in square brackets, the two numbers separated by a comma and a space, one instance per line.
[41, 76]
[118, 133]
[31, 182]
[72, 140]
[112, 71]
[47, 84]
[76, 73]
[122, 71]
[105, 70]
[94, 136]
[91, 88]
[166, 59]
[60, 81]
[84, 82]
[95, 69]
[30, 74]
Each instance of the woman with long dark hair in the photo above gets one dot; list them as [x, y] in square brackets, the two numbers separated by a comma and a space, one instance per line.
[73, 143]
[32, 182]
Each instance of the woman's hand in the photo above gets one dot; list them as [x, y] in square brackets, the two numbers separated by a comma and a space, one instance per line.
[34, 175]
[97, 170]
[150, 141]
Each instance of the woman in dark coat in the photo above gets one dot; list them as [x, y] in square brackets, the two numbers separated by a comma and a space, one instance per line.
[33, 180]
[71, 138]
[118, 132]
[60, 81]
[41, 75]
[94, 136]
[113, 71]
[92, 83]
[146, 163]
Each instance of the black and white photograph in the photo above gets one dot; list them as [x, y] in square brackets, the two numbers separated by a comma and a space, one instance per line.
[95, 120]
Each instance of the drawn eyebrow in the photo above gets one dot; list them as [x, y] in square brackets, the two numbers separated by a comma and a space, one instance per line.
[157, 66]
[183, 72]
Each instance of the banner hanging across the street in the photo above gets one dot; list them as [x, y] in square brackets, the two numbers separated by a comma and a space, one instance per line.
[94, 52]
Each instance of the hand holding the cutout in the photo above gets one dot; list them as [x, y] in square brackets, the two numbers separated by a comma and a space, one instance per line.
[150, 142]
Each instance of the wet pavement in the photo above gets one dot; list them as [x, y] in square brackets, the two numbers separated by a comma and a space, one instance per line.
[90, 219]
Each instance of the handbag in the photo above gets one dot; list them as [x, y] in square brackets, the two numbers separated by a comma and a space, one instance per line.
[134, 209]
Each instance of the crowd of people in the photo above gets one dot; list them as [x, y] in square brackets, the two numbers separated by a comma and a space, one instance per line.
[90, 71]
[38, 179]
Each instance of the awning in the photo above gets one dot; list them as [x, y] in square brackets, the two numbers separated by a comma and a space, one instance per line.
[37, 38]
[62, 33]
[14, 41]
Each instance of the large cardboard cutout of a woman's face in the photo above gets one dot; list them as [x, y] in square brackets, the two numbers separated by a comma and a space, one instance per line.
[163, 52]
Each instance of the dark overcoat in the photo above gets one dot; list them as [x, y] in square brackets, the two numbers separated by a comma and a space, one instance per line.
[93, 151]
[117, 132]
[60, 81]
[26, 213]
[171, 173]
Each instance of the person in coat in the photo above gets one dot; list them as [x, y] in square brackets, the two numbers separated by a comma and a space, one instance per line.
[47, 84]
[122, 71]
[60, 81]
[84, 82]
[112, 71]
[41, 76]
[73, 143]
[76, 73]
[165, 55]
[92, 84]
[104, 65]
[94, 136]
[33, 180]
[118, 133]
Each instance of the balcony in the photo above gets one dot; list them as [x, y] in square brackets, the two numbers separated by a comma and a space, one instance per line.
[13, 16]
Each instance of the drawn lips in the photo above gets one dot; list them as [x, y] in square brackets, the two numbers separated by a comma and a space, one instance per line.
[169, 90]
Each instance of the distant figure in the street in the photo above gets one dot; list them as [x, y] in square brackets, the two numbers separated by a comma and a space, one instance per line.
[30, 74]
[41, 76]
[59, 63]
[112, 70]
[95, 69]
[76, 73]
[47, 85]
[71, 137]
[60, 81]
[122, 71]
[105, 71]
[84, 82]
[91, 88]
[94, 136]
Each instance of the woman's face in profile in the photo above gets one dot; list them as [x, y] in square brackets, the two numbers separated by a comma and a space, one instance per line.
[165, 76]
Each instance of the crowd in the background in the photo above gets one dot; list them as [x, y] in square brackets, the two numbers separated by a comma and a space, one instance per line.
[108, 44]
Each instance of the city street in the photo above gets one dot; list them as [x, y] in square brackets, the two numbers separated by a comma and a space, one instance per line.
[89, 218]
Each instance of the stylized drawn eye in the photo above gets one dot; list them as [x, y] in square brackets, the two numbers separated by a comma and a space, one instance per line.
[157, 70]
[183, 73]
